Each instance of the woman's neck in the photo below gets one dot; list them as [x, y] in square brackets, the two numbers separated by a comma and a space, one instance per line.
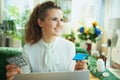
[49, 39]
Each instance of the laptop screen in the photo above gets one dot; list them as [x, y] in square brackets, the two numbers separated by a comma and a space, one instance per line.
[75, 75]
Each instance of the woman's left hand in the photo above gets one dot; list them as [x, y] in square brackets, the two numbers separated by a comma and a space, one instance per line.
[81, 65]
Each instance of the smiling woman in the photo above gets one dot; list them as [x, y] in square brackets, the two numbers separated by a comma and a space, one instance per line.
[53, 24]
[44, 44]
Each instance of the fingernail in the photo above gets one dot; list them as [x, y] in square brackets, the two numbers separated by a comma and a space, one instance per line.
[14, 72]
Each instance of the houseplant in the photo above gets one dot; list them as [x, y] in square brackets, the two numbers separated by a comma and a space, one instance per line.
[70, 36]
[90, 34]
[19, 20]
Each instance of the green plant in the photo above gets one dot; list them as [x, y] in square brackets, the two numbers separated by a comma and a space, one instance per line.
[65, 5]
[11, 19]
[70, 36]
[24, 19]
[19, 20]
[66, 14]
[12, 13]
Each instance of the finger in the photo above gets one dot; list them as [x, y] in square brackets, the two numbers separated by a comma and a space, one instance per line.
[10, 74]
[80, 68]
[20, 71]
[10, 66]
[16, 69]
[10, 78]
[84, 61]
[80, 64]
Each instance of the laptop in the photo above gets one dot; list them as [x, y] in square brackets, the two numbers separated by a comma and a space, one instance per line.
[74, 75]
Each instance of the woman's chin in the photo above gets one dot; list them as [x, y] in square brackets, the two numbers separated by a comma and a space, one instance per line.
[57, 34]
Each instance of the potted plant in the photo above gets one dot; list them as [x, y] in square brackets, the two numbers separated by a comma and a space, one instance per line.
[90, 34]
[19, 20]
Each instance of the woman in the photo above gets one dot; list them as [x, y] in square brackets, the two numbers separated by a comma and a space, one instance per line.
[44, 49]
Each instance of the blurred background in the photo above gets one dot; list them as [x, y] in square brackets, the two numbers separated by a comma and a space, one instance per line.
[77, 13]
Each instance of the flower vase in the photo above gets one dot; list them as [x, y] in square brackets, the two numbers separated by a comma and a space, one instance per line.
[89, 46]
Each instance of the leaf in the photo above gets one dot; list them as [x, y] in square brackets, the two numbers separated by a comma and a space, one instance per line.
[82, 36]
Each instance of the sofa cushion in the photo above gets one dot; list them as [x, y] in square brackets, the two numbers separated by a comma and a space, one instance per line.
[6, 52]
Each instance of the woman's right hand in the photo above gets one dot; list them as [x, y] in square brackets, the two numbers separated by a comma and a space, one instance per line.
[12, 70]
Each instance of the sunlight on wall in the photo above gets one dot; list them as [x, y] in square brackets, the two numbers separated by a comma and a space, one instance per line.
[20, 4]
[115, 9]
[1, 11]
[87, 10]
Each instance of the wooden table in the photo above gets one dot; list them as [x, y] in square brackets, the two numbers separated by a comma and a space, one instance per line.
[93, 78]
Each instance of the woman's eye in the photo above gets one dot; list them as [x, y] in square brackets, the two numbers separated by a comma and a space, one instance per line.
[62, 20]
[54, 19]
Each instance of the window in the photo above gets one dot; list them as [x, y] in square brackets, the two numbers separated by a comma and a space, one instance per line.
[18, 12]
[87, 11]
[66, 7]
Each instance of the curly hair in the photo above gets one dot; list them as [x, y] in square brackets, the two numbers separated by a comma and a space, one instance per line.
[33, 32]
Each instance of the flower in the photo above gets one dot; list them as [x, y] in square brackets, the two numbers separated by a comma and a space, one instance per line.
[90, 33]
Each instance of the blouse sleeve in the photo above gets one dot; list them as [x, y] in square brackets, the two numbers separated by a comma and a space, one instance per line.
[71, 61]
[27, 68]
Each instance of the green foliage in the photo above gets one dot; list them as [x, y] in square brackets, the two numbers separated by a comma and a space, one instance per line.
[65, 5]
[12, 13]
[25, 16]
[66, 14]
[82, 36]
[70, 36]
[90, 33]
[81, 50]
[19, 20]
[11, 18]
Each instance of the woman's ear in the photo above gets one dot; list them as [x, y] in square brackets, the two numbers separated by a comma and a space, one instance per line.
[39, 22]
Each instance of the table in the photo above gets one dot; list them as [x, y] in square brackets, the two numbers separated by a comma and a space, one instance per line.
[93, 77]
[93, 70]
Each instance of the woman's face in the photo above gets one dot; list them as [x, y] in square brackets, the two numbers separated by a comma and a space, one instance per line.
[52, 25]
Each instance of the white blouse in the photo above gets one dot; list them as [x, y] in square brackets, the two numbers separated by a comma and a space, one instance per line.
[61, 55]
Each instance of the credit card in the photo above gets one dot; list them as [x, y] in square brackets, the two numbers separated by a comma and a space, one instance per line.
[17, 60]
[80, 56]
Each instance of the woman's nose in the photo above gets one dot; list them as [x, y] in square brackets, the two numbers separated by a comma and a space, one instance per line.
[60, 23]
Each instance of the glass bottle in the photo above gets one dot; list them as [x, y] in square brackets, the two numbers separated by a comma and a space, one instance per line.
[100, 65]
[104, 58]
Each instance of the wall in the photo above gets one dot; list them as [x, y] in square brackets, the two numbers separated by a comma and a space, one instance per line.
[1, 10]
[115, 9]
[112, 11]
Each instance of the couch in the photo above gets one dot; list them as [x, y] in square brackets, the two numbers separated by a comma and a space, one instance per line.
[6, 52]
